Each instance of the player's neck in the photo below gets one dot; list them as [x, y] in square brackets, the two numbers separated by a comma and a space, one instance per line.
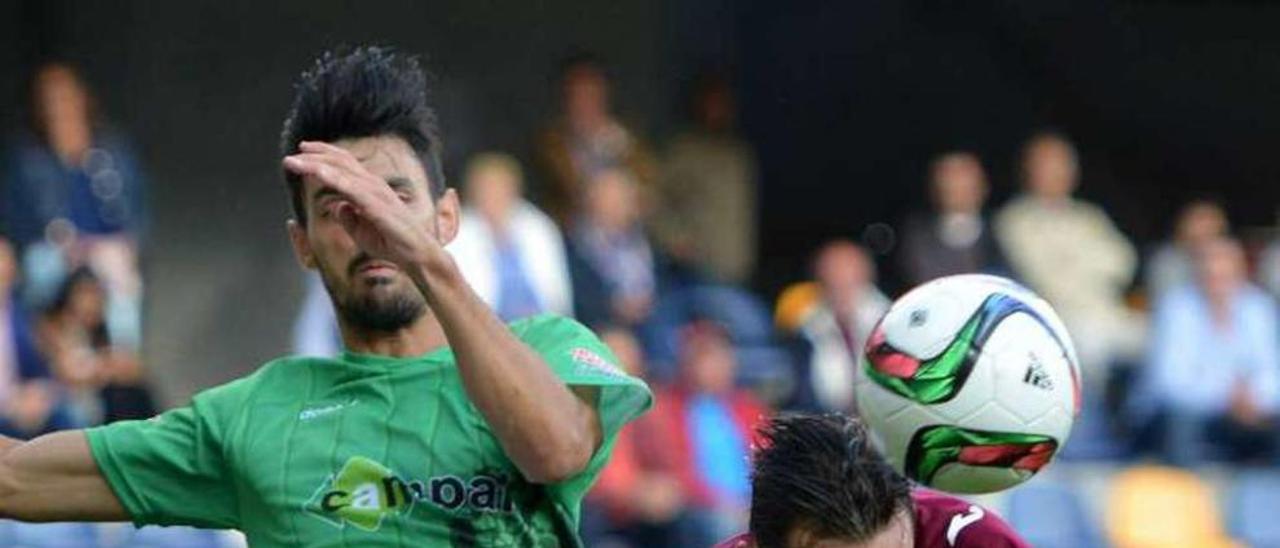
[417, 339]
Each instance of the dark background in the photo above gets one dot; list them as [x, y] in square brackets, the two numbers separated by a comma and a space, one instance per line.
[846, 102]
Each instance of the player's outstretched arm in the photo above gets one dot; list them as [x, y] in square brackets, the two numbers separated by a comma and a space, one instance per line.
[54, 478]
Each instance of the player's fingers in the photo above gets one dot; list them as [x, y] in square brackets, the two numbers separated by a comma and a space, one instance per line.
[342, 155]
[337, 163]
[321, 146]
[346, 175]
[334, 154]
[297, 165]
[332, 173]
[314, 166]
[334, 177]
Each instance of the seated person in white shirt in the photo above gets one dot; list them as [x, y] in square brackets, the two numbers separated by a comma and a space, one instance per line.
[1213, 374]
[510, 252]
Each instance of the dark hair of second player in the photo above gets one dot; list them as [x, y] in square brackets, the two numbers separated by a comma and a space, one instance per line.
[817, 477]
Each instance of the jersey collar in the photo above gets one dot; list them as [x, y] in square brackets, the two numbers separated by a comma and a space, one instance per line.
[380, 360]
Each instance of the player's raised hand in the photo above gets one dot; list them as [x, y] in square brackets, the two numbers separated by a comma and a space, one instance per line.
[370, 211]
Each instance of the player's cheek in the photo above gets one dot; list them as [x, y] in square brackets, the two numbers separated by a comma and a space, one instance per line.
[333, 247]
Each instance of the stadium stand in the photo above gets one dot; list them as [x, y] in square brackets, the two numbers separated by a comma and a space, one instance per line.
[1052, 516]
[1160, 506]
[1251, 504]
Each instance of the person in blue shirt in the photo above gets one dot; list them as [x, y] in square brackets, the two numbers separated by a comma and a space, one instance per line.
[71, 195]
[1212, 382]
[68, 166]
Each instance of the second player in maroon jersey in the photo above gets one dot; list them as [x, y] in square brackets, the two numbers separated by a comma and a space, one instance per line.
[817, 483]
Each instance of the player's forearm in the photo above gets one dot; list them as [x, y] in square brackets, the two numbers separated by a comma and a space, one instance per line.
[543, 427]
[54, 478]
[7, 443]
[9, 478]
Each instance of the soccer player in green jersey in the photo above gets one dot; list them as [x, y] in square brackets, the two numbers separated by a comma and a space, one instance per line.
[437, 426]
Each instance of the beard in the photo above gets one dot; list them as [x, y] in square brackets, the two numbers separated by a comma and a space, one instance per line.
[385, 313]
[382, 307]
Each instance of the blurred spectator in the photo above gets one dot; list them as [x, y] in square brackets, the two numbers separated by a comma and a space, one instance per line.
[955, 237]
[710, 423]
[68, 166]
[315, 329]
[105, 380]
[1069, 252]
[708, 190]
[72, 196]
[638, 490]
[586, 138]
[763, 365]
[614, 267]
[1213, 374]
[1172, 265]
[1268, 267]
[836, 327]
[29, 402]
[510, 252]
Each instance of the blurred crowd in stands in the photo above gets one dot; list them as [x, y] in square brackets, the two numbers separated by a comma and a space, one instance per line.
[71, 210]
[655, 248]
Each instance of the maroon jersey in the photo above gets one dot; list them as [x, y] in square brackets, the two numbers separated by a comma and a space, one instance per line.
[944, 521]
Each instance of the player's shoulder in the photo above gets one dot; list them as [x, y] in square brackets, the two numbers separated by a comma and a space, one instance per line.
[572, 349]
[549, 328]
[946, 521]
[936, 500]
[280, 370]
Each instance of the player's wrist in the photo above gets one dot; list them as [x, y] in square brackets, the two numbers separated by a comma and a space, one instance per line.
[436, 274]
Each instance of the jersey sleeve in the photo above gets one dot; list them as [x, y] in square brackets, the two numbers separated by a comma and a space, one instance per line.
[172, 469]
[579, 358]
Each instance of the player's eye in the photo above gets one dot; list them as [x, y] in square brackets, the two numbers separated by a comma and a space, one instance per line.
[402, 187]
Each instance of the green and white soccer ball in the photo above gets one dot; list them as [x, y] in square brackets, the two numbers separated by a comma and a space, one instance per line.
[970, 384]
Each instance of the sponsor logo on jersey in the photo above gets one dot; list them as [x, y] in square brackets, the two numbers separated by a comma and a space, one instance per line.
[364, 493]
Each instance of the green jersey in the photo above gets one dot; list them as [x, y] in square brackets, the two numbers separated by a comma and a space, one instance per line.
[361, 450]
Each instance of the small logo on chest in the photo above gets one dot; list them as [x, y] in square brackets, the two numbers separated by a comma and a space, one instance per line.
[325, 410]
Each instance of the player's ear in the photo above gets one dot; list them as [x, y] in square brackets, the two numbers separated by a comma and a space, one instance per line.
[448, 216]
[301, 245]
